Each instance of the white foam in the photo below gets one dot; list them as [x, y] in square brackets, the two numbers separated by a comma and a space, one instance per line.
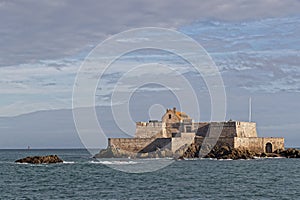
[68, 162]
[166, 158]
[21, 163]
[115, 162]
[263, 158]
[227, 159]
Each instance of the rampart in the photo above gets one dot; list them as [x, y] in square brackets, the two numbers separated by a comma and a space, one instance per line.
[139, 145]
[227, 129]
[259, 144]
[246, 129]
[149, 129]
[209, 141]
[184, 139]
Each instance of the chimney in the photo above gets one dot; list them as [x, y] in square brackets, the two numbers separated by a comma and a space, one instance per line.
[174, 109]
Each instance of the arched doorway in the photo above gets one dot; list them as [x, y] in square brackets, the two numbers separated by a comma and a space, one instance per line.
[269, 148]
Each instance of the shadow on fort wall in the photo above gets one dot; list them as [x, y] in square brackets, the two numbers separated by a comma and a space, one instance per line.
[159, 143]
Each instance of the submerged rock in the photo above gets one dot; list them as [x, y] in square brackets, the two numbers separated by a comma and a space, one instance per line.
[40, 159]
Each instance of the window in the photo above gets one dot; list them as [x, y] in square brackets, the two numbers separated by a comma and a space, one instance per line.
[188, 129]
[170, 116]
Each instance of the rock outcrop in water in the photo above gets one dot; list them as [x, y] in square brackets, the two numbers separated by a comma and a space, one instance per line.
[107, 153]
[289, 153]
[192, 151]
[225, 152]
[40, 159]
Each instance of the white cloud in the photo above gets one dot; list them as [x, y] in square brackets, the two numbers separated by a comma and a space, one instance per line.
[39, 30]
[42, 50]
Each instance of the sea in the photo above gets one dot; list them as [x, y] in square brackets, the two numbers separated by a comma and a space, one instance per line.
[83, 177]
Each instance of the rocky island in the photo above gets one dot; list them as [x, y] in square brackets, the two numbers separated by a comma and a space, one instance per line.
[40, 159]
[178, 136]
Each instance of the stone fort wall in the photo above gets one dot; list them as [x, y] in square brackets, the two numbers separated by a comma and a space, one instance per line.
[144, 145]
[246, 129]
[149, 129]
[184, 139]
[141, 145]
[256, 144]
[204, 129]
[216, 129]
[259, 144]
[199, 141]
[154, 135]
[227, 129]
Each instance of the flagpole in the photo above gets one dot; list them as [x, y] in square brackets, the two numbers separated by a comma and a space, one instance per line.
[250, 109]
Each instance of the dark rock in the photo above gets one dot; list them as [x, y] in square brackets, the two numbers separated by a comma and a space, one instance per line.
[225, 148]
[180, 158]
[40, 159]
[105, 153]
[290, 153]
[263, 155]
[225, 152]
[273, 155]
[277, 151]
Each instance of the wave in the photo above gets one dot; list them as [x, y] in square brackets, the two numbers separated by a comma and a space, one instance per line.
[19, 163]
[263, 158]
[30, 164]
[166, 158]
[195, 159]
[42, 164]
[115, 162]
[68, 162]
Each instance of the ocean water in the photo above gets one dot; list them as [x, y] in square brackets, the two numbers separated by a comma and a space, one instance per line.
[82, 177]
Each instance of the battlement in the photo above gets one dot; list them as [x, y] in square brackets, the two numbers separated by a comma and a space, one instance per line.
[150, 129]
[151, 123]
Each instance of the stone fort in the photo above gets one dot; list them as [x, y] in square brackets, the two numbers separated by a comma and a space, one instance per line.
[177, 129]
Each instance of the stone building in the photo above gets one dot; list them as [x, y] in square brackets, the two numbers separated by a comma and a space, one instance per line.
[177, 129]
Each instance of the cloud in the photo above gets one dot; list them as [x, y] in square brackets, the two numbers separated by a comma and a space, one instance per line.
[255, 44]
[47, 84]
[39, 30]
[255, 56]
[258, 55]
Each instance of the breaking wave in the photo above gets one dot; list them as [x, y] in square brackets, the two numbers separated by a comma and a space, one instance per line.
[115, 162]
[68, 162]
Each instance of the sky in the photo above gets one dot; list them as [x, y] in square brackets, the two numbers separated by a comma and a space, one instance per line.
[254, 44]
